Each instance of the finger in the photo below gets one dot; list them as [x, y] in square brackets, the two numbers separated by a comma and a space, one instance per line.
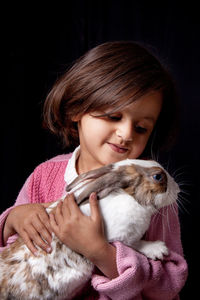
[44, 232]
[66, 210]
[29, 243]
[46, 205]
[53, 223]
[44, 219]
[58, 213]
[44, 227]
[41, 225]
[73, 207]
[38, 240]
[94, 206]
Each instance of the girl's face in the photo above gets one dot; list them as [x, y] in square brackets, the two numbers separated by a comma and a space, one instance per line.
[120, 135]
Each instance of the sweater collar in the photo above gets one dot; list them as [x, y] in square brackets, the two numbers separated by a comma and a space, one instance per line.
[70, 172]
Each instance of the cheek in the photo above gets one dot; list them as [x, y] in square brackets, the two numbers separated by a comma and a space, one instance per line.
[101, 128]
[94, 130]
[138, 147]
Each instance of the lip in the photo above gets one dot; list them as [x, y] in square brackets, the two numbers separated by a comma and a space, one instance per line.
[118, 148]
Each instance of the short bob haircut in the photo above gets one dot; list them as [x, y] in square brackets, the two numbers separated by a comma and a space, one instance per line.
[110, 77]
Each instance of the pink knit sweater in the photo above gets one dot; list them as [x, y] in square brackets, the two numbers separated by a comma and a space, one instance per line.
[139, 277]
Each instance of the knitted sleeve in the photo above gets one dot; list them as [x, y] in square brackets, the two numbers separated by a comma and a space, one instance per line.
[45, 184]
[21, 199]
[143, 278]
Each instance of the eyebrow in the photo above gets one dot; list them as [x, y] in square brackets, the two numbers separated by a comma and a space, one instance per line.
[151, 119]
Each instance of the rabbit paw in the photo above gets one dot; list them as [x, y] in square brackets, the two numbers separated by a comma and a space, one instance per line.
[154, 250]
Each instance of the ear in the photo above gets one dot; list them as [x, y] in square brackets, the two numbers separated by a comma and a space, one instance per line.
[91, 175]
[103, 181]
[102, 186]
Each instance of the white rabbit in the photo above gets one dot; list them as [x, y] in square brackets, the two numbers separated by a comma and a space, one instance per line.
[129, 193]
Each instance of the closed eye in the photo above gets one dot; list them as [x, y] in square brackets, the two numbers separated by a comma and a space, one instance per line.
[140, 129]
[114, 117]
[108, 116]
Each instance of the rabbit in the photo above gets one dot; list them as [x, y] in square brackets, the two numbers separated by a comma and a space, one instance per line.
[129, 193]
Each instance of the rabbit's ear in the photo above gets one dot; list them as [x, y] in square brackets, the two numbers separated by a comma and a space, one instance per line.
[105, 184]
[89, 176]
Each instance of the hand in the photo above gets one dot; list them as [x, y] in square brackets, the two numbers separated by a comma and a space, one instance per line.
[31, 222]
[81, 233]
[84, 234]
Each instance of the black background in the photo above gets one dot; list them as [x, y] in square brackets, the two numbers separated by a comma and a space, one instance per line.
[40, 43]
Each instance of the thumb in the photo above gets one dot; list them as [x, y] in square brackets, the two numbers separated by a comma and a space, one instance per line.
[47, 204]
[94, 206]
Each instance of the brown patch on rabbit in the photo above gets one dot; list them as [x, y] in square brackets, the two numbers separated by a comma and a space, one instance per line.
[7, 253]
[146, 183]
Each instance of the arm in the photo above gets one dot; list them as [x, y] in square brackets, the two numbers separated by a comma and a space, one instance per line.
[140, 276]
[5, 233]
[27, 219]
[28, 216]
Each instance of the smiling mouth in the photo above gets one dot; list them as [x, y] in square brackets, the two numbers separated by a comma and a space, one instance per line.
[118, 148]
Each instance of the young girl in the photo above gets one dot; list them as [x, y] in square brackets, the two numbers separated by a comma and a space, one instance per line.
[116, 102]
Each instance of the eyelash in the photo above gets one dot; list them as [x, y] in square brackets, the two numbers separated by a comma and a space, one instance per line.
[140, 129]
[116, 118]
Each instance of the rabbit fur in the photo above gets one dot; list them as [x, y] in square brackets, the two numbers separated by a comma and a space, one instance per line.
[129, 193]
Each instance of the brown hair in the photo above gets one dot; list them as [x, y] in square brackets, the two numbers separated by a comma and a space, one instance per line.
[111, 75]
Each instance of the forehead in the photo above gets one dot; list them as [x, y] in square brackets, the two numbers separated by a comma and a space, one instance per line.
[150, 103]
[152, 96]
[148, 106]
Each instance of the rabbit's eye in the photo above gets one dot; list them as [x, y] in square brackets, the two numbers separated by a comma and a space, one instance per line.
[159, 177]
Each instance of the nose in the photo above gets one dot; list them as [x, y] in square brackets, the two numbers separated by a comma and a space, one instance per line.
[125, 130]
